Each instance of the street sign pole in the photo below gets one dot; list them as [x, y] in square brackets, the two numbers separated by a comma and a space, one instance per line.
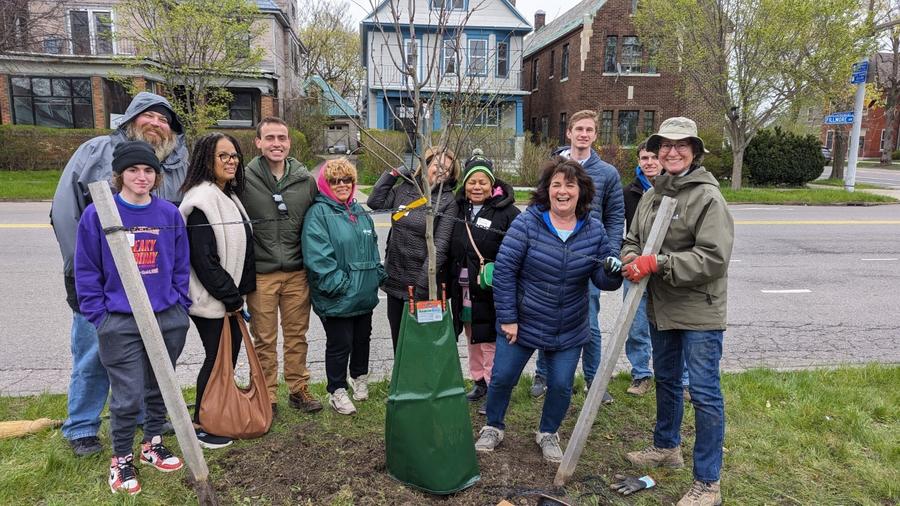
[860, 72]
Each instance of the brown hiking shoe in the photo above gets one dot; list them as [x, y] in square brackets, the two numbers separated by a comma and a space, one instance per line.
[304, 401]
[702, 494]
[656, 457]
[640, 386]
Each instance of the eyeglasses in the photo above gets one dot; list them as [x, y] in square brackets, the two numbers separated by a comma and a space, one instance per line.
[678, 145]
[340, 180]
[227, 157]
[279, 200]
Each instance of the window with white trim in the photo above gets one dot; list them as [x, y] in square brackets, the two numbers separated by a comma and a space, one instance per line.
[411, 54]
[451, 56]
[478, 50]
[448, 5]
[91, 31]
[503, 59]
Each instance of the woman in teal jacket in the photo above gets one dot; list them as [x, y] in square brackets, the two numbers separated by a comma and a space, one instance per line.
[340, 252]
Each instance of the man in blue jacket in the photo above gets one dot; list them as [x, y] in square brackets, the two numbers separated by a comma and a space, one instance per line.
[609, 206]
[149, 118]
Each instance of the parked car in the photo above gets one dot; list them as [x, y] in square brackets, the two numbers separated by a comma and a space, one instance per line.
[339, 149]
[827, 154]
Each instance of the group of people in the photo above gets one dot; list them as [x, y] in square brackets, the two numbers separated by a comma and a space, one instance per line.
[214, 241]
[210, 234]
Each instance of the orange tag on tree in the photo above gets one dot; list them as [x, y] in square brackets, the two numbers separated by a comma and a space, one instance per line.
[428, 311]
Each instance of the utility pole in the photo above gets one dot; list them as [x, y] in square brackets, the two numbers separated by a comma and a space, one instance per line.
[860, 75]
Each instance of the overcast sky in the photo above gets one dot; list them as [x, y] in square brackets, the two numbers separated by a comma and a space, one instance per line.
[359, 8]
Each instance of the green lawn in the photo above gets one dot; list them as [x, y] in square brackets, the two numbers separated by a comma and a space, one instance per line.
[804, 437]
[28, 185]
[805, 196]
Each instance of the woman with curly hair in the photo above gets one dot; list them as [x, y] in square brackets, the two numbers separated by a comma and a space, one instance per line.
[221, 242]
[550, 254]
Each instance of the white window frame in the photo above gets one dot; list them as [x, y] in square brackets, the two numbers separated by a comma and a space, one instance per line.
[92, 29]
[504, 56]
[414, 44]
[450, 51]
[470, 59]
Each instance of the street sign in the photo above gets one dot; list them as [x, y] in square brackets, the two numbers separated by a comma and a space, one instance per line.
[839, 118]
[860, 72]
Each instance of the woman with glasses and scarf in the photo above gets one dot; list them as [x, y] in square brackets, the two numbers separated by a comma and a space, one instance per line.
[221, 242]
[340, 251]
[406, 260]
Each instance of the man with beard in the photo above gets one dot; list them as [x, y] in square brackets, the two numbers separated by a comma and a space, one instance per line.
[149, 118]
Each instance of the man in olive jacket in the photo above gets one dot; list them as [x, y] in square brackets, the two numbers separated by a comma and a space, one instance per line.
[280, 189]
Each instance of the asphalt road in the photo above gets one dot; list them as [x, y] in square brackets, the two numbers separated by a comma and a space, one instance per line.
[888, 178]
[809, 287]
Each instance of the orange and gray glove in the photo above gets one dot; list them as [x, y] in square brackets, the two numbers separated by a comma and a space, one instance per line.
[639, 268]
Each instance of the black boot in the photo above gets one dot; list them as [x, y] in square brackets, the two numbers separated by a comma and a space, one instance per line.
[478, 391]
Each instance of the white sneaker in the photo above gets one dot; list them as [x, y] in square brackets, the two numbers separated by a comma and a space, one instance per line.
[341, 402]
[360, 387]
[488, 439]
[549, 443]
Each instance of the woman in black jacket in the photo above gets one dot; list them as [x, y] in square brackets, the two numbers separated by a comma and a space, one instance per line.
[222, 264]
[486, 208]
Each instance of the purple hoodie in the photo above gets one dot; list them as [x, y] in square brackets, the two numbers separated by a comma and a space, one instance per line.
[162, 256]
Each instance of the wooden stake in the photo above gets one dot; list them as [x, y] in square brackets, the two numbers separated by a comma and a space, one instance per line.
[153, 341]
[620, 334]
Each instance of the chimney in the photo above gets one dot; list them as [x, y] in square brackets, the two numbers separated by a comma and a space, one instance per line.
[539, 19]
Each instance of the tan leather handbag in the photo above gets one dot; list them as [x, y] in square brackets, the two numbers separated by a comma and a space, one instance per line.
[227, 409]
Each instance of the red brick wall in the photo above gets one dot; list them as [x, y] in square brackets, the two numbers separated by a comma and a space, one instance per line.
[267, 106]
[97, 99]
[873, 122]
[5, 108]
[664, 94]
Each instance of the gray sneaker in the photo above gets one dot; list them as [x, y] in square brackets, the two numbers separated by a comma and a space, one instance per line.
[360, 387]
[538, 387]
[549, 443]
[488, 439]
[341, 402]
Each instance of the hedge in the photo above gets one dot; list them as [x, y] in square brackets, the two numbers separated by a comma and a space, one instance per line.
[379, 153]
[777, 157]
[25, 147]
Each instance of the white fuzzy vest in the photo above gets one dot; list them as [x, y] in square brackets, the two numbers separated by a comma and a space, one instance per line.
[231, 241]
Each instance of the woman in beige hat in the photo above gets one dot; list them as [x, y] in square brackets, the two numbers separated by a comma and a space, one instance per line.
[686, 305]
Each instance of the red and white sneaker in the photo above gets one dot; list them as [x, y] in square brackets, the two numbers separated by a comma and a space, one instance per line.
[155, 454]
[122, 476]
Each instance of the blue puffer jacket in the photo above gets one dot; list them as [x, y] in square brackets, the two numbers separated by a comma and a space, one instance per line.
[608, 202]
[541, 282]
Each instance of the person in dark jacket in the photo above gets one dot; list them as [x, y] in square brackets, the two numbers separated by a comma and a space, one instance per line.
[687, 306]
[278, 192]
[607, 206]
[486, 210]
[340, 250]
[406, 260]
[161, 253]
[550, 254]
[222, 264]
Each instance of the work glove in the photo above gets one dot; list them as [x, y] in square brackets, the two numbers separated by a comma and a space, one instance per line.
[612, 265]
[640, 268]
[627, 485]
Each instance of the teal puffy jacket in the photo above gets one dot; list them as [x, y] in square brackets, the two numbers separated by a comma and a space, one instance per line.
[341, 258]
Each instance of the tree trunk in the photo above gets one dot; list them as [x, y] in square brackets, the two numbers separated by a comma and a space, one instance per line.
[890, 126]
[837, 155]
[738, 141]
[737, 167]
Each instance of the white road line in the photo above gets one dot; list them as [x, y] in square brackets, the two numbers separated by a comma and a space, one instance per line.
[878, 259]
[736, 261]
[769, 208]
[787, 291]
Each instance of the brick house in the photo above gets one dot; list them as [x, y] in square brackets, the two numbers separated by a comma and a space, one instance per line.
[60, 78]
[590, 58]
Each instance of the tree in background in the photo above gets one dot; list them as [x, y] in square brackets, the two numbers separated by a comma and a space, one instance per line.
[24, 25]
[333, 47]
[751, 59]
[197, 46]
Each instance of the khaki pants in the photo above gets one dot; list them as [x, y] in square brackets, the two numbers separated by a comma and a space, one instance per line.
[289, 292]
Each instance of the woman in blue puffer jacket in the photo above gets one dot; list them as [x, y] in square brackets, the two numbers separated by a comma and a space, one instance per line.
[549, 255]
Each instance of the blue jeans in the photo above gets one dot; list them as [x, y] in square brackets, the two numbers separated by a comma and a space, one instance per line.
[509, 361]
[89, 385]
[701, 351]
[638, 347]
[590, 359]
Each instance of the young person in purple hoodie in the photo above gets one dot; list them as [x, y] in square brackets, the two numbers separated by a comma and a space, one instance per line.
[160, 249]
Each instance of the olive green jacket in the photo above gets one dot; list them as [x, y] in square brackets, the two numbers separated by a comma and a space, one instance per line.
[690, 290]
[277, 243]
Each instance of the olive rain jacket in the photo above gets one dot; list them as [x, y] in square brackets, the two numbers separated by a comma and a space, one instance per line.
[341, 258]
[497, 213]
[690, 290]
[91, 162]
[406, 259]
[277, 242]
[541, 282]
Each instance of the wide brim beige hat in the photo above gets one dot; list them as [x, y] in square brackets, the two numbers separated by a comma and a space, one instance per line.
[675, 129]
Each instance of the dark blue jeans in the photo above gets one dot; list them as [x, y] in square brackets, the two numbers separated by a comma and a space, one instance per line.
[510, 360]
[590, 358]
[702, 351]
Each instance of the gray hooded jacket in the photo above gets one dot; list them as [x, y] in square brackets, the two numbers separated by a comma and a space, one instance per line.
[92, 162]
